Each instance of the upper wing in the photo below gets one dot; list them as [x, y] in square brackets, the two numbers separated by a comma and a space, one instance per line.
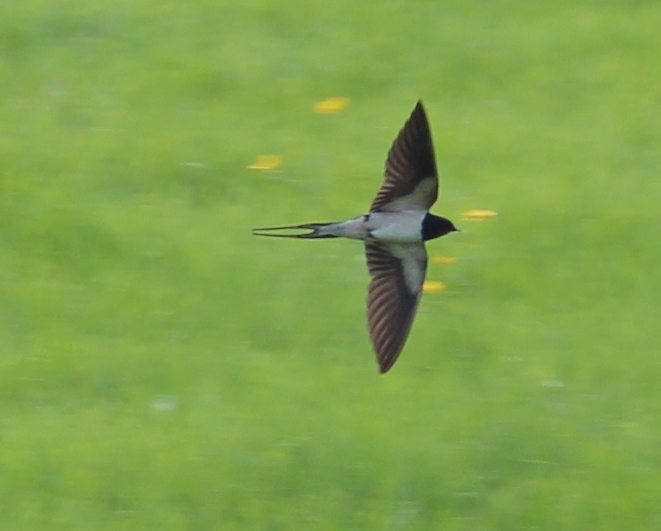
[397, 272]
[411, 180]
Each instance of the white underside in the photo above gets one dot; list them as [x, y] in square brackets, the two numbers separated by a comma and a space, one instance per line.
[395, 227]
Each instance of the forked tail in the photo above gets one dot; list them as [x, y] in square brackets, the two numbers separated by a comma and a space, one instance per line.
[316, 228]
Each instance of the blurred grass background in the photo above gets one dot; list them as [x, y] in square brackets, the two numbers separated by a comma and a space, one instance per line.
[162, 369]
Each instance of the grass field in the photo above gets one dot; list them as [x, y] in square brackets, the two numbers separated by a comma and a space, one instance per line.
[160, 368]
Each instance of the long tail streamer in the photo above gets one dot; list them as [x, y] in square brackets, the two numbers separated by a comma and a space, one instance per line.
[314, 227]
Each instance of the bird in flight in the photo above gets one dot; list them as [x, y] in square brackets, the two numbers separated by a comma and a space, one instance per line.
[394, 232]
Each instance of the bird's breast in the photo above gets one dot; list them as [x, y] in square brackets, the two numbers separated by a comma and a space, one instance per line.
[396, 227]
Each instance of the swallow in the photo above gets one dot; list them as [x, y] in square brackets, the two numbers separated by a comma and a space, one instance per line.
[394, 232]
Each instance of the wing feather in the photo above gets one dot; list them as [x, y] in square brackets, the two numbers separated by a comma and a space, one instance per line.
[411, 179]
[397, 272]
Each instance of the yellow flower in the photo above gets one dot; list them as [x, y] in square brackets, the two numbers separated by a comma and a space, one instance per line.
[444, 259]
[478, 214]
[432, 286]
[331, 105]
[266, 162]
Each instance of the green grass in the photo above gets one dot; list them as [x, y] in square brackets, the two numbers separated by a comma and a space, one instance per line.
[162, 369]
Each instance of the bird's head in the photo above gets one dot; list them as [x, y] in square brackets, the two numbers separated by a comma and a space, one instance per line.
[436, 226]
